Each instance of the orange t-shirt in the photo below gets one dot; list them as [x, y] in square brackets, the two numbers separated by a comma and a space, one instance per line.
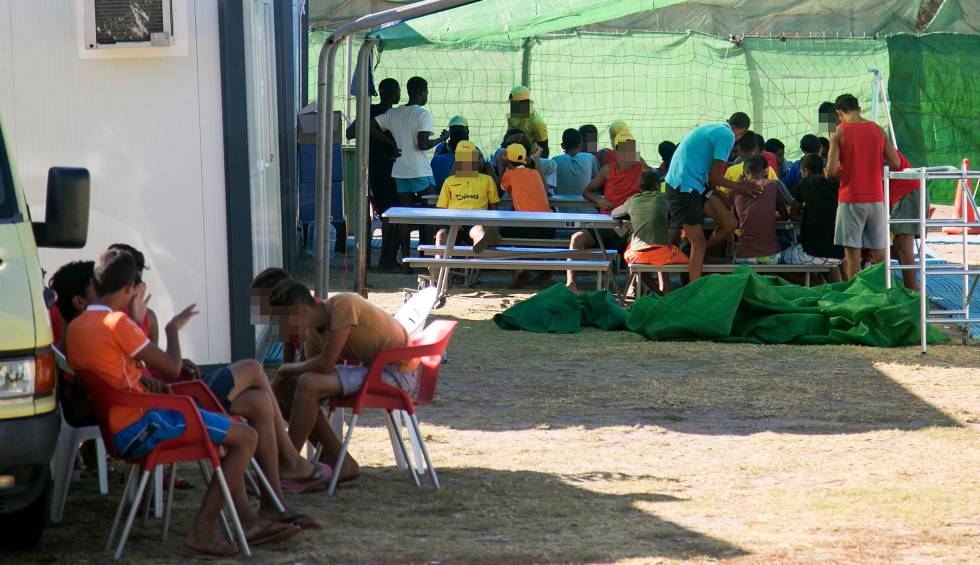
[526, 189]
[106, 342]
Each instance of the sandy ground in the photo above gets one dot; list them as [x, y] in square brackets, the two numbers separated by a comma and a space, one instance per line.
[605, 447]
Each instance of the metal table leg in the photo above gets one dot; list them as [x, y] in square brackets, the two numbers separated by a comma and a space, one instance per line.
[442, 282]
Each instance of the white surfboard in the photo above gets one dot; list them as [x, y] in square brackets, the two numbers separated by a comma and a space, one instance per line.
[414, 312]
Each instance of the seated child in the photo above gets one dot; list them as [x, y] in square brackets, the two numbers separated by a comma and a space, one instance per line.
[527, 192]
[817, 199]
[345, 326]
[647, 212]
[757, 242]
[284, 387]
[468, 189]
[244, 390]
[575, 168]
[105, 340]
[75, 288]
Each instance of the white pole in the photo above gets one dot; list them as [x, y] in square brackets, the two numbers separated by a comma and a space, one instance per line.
[875, 94]
[888, 222]
[965, 206]
[888, 111]
[923, 296]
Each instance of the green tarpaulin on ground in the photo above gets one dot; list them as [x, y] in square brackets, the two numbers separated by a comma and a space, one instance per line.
[559, 310]
[742, 307]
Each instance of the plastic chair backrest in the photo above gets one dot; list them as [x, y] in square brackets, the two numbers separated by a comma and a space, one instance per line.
[57, 324]
[438, 332]
[413, 313]
[102, 396]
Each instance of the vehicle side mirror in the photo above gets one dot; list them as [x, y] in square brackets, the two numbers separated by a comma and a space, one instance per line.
[66, 212]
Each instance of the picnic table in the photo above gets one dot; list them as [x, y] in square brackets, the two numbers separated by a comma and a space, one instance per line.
[557, 200]
[455, 219]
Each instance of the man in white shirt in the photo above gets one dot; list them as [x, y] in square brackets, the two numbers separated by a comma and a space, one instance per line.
[412, 127]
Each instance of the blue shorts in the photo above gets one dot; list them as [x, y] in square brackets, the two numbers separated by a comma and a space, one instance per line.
[221, 382]
[159, 425]
[406, 186]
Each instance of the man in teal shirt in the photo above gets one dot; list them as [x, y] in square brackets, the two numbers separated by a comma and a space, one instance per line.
[699, 162]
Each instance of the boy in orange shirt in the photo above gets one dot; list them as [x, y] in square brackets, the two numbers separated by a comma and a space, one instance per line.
[105, 340]
[527, 192]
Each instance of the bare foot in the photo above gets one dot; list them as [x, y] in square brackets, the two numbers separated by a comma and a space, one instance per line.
[296, 470]
[209, 545]
[350, 470]
[263, 531]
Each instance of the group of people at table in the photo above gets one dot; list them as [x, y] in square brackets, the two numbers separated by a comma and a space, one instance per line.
[722, 171]
[103, 324]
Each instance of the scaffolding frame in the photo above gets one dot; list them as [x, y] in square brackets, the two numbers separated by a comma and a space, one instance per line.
[970, 275]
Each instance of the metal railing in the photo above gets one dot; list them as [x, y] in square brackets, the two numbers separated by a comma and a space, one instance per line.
[968, 206]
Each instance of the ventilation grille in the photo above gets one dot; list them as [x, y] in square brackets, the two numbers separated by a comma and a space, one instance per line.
[128, 21]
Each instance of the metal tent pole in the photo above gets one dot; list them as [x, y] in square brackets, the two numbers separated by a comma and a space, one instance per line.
[965, 207]
[325, 106]
[363, 153]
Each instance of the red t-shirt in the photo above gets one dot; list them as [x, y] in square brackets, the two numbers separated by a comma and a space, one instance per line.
[861, 163]
[772, 160]
[898, 189]
[620, 185]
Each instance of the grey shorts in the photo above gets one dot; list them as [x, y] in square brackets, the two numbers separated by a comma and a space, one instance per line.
[861, 225]
[907, 209]
[352, 378]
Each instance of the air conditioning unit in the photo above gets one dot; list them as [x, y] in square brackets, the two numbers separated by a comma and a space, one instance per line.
[122, 29]
[115, 24]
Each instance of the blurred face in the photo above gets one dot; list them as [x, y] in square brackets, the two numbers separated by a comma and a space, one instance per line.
[291, 321]
[828, 122]
[468, 167]
[259, 309]
[626, 151]
[590, 143]
[520, 107]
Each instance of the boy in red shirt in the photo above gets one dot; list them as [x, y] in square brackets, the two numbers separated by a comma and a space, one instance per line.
[105, 340]
[903, 198]
[526, 188]
[858, 150]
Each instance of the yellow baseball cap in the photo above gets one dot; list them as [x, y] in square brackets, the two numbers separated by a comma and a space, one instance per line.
[520, 93]
[458, 121]
[618, 127]
[465, 150]
[516, 153]
[623, 138]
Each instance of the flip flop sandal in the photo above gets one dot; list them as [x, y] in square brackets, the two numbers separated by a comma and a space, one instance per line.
[318, 480]
[211, 555]
[303, 521]
[277, 536]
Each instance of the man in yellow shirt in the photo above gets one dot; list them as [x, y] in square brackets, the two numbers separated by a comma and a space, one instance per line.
[469, 189]
[522, 117]
[747, 147]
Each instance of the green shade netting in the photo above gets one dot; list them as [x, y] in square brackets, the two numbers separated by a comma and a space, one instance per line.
[935, 96]
[559, 310]
[746, 307]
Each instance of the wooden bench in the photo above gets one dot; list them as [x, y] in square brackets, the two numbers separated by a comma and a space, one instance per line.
[725, 268]
[599, 267]
[508, 252]
[531, 242]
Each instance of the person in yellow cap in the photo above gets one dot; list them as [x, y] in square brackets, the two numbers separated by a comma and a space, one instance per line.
[469, 189]
[522, 117]
[608, 155]
[443, 158]
[618, 181]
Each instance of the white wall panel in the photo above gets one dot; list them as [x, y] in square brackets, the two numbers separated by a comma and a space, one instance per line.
[149, 130]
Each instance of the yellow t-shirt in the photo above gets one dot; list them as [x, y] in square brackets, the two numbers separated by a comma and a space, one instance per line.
[468, 193]
[533, 126]
[735, 171]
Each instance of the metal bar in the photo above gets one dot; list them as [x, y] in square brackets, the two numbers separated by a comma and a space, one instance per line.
[132, 515]
[923, 295]
[226, 493]
[170, 502]
[965, 201]
[130, 478]
[348, 63]
[363, 238]
[888, 209]
[325, 104]
[340, 457]
[953, 320]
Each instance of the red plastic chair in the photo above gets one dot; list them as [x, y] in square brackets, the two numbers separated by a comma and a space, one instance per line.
[205, 399]
[428, 348]
[193, 445]
[57, 325]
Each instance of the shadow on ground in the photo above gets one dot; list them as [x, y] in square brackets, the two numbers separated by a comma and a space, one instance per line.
[480, 515]
[501, 380]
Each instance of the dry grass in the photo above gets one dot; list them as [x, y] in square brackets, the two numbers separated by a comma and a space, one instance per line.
[602, 447]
